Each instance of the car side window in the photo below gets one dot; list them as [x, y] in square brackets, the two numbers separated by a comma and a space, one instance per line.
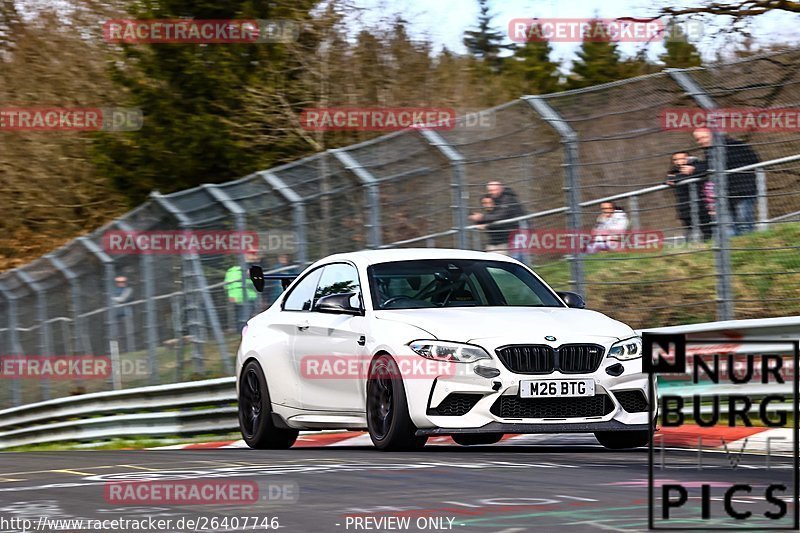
[337, 278]
[302, 296]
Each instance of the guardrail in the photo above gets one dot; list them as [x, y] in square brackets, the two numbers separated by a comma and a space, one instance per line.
[208, 406]
[194, 407]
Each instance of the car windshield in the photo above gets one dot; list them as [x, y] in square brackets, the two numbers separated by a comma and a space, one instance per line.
[456, 283]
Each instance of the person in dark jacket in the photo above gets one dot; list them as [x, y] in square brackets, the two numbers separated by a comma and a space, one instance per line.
[505, 205]
[684, 168]
[742, 189]
[498, 239]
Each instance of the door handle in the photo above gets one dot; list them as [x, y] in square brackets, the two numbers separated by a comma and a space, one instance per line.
[304, 326]
[362, 340]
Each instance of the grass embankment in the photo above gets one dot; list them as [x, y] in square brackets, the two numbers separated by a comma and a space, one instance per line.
[677, 285]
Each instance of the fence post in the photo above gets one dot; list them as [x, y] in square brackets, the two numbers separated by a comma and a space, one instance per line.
[45, 340]
[571, 177]
[718, 168]
[460, 193]
[112, 327]
[74, 291]
[13, 346]
[633, 208]
[239, 217]
[324, 205]
[298, 213]
[366, 178]
[193, 270]
[150, 320]
[763, 207]
[190, 289]
[725, 291]
[695, 235]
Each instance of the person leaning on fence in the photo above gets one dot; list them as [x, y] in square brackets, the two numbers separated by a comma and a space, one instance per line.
[241, 291]
[611, 222]
[742, 189]
[495, 239]
[504, 204]
[685, 168]
[122, 295]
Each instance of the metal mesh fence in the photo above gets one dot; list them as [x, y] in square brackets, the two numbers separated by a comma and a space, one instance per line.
[762, 269]
[160, 318]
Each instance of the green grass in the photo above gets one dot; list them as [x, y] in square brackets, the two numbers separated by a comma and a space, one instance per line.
[122, 443]
[678, 285]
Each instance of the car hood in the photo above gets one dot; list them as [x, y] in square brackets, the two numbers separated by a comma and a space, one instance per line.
[512, 324]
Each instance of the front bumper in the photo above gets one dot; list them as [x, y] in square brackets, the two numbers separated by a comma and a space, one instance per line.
[570, 427]
[469, 403]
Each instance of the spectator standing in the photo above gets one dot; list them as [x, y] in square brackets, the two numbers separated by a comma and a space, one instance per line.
[241, 291]
[611, 220]
[122, 295]
[496, 240]
[504, 205]
[684, 168]
[742, 190]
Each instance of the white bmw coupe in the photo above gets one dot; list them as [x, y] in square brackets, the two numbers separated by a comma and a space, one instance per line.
[410, 343]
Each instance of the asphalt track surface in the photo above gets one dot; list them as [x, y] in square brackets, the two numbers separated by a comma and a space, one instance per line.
[536, 484]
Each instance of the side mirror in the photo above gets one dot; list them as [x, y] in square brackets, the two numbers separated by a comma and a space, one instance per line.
[257, 277]
[572, 299]
[338, 303]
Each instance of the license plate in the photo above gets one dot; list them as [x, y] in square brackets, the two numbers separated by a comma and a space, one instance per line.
[556, 388]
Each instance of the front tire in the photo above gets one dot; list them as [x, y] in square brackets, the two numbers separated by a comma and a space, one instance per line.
[477, 439]
[621, 440]
[255, 413]
[389, 424]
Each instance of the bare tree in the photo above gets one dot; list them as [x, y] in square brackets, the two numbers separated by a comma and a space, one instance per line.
[738, 10]
[46, 178]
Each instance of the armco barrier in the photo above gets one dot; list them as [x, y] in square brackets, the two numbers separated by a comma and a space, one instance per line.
[209, 406]
[177, 409]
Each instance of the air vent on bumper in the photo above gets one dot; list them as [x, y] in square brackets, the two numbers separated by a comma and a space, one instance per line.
[455, 404]
[577, 407]
[633, 401]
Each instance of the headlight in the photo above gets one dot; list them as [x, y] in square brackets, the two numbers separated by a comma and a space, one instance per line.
[627, 349]
[448, 351]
